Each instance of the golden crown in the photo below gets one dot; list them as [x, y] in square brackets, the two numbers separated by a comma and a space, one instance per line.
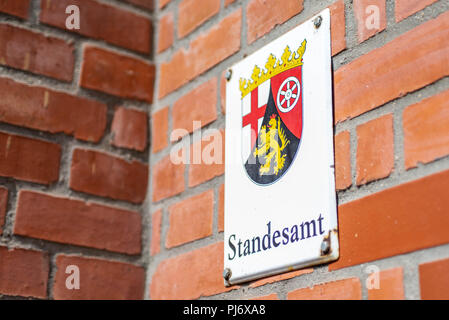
[273, 67]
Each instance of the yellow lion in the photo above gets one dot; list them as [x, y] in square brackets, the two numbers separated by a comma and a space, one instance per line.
[269, 147]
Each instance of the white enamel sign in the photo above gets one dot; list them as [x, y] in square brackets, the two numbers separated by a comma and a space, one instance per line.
[280, 200]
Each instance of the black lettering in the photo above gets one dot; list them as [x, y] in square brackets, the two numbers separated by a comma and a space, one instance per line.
[240, 247]
[320, 219]
[285, 235]
[267, 237]
[276, 235]
[246, 251]
[231, 245]
[308, 224]
[258, 244]
[294, 232]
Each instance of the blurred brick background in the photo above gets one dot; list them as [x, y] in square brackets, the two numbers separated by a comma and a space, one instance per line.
[85, 121]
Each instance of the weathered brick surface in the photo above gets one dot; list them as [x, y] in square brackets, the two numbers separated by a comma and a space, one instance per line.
[166, 32]
[280, 277]
[191, 14]
[159, 132]
[190, 275]
[426, 130]
[401, 219]
[190, 219]
[198, 105]
[34, 52]
[390, 72]
[338, 27]
[366, 13]
[77, 222]
[3, 206]
[391, 286]
[29, 159]
[99, 279]
[221, 208]
[343, 175]
[211, 164]
[264, 15]
[375, 157]
[405, 8]
[156, 222]
[146, 4]
[208, 49]
[17, 8]
[23, 272]
[347, 289]
[117, 74]
[130, 129]
[51, 111]
[434, 280]
[115, 25]
[168, 179]
[105, 175]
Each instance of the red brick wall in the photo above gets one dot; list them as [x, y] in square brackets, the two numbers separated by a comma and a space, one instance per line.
[86, 177]
[74, 147]
[391, 142]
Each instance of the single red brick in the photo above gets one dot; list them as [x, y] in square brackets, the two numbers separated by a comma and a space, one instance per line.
[156, 222]
[338, 27]
[116, 74]
[426, 130]
[204, 52]
[190, 275]
[130, 129]
[51, 111]
[280, 277]
[371, 16]
[115, 26]
[228, 2]
[375, 157]
[190, 219]
[34, 52]
[221, 208]
[405, 8]
[166, 32]
[223, 92]
[159, 132]
[272, 296]
[343, 175]
[77, 222]
[163, 3]
[191, 15]
[347, 289]
[391, 71]
[434, 280]
[23, 272]
[390, 286]
[29, 159]
[99, 279]
[263, 15]
[401, 219]
[105, 175]
[3, 206]
[199, 105]
[17, 8]
[168, 179]
[210, 152]
[145, 4]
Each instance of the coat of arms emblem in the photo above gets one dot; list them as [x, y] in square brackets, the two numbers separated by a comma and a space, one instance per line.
[272, 116]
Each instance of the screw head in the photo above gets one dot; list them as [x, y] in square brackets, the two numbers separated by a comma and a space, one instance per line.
[227, 273]
[325, 247]
[317, 22]
[228, 74]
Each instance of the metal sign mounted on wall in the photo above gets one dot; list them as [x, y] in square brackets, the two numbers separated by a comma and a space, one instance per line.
[280, 200]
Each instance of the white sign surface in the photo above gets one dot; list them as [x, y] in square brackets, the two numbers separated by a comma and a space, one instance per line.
[280, 200]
